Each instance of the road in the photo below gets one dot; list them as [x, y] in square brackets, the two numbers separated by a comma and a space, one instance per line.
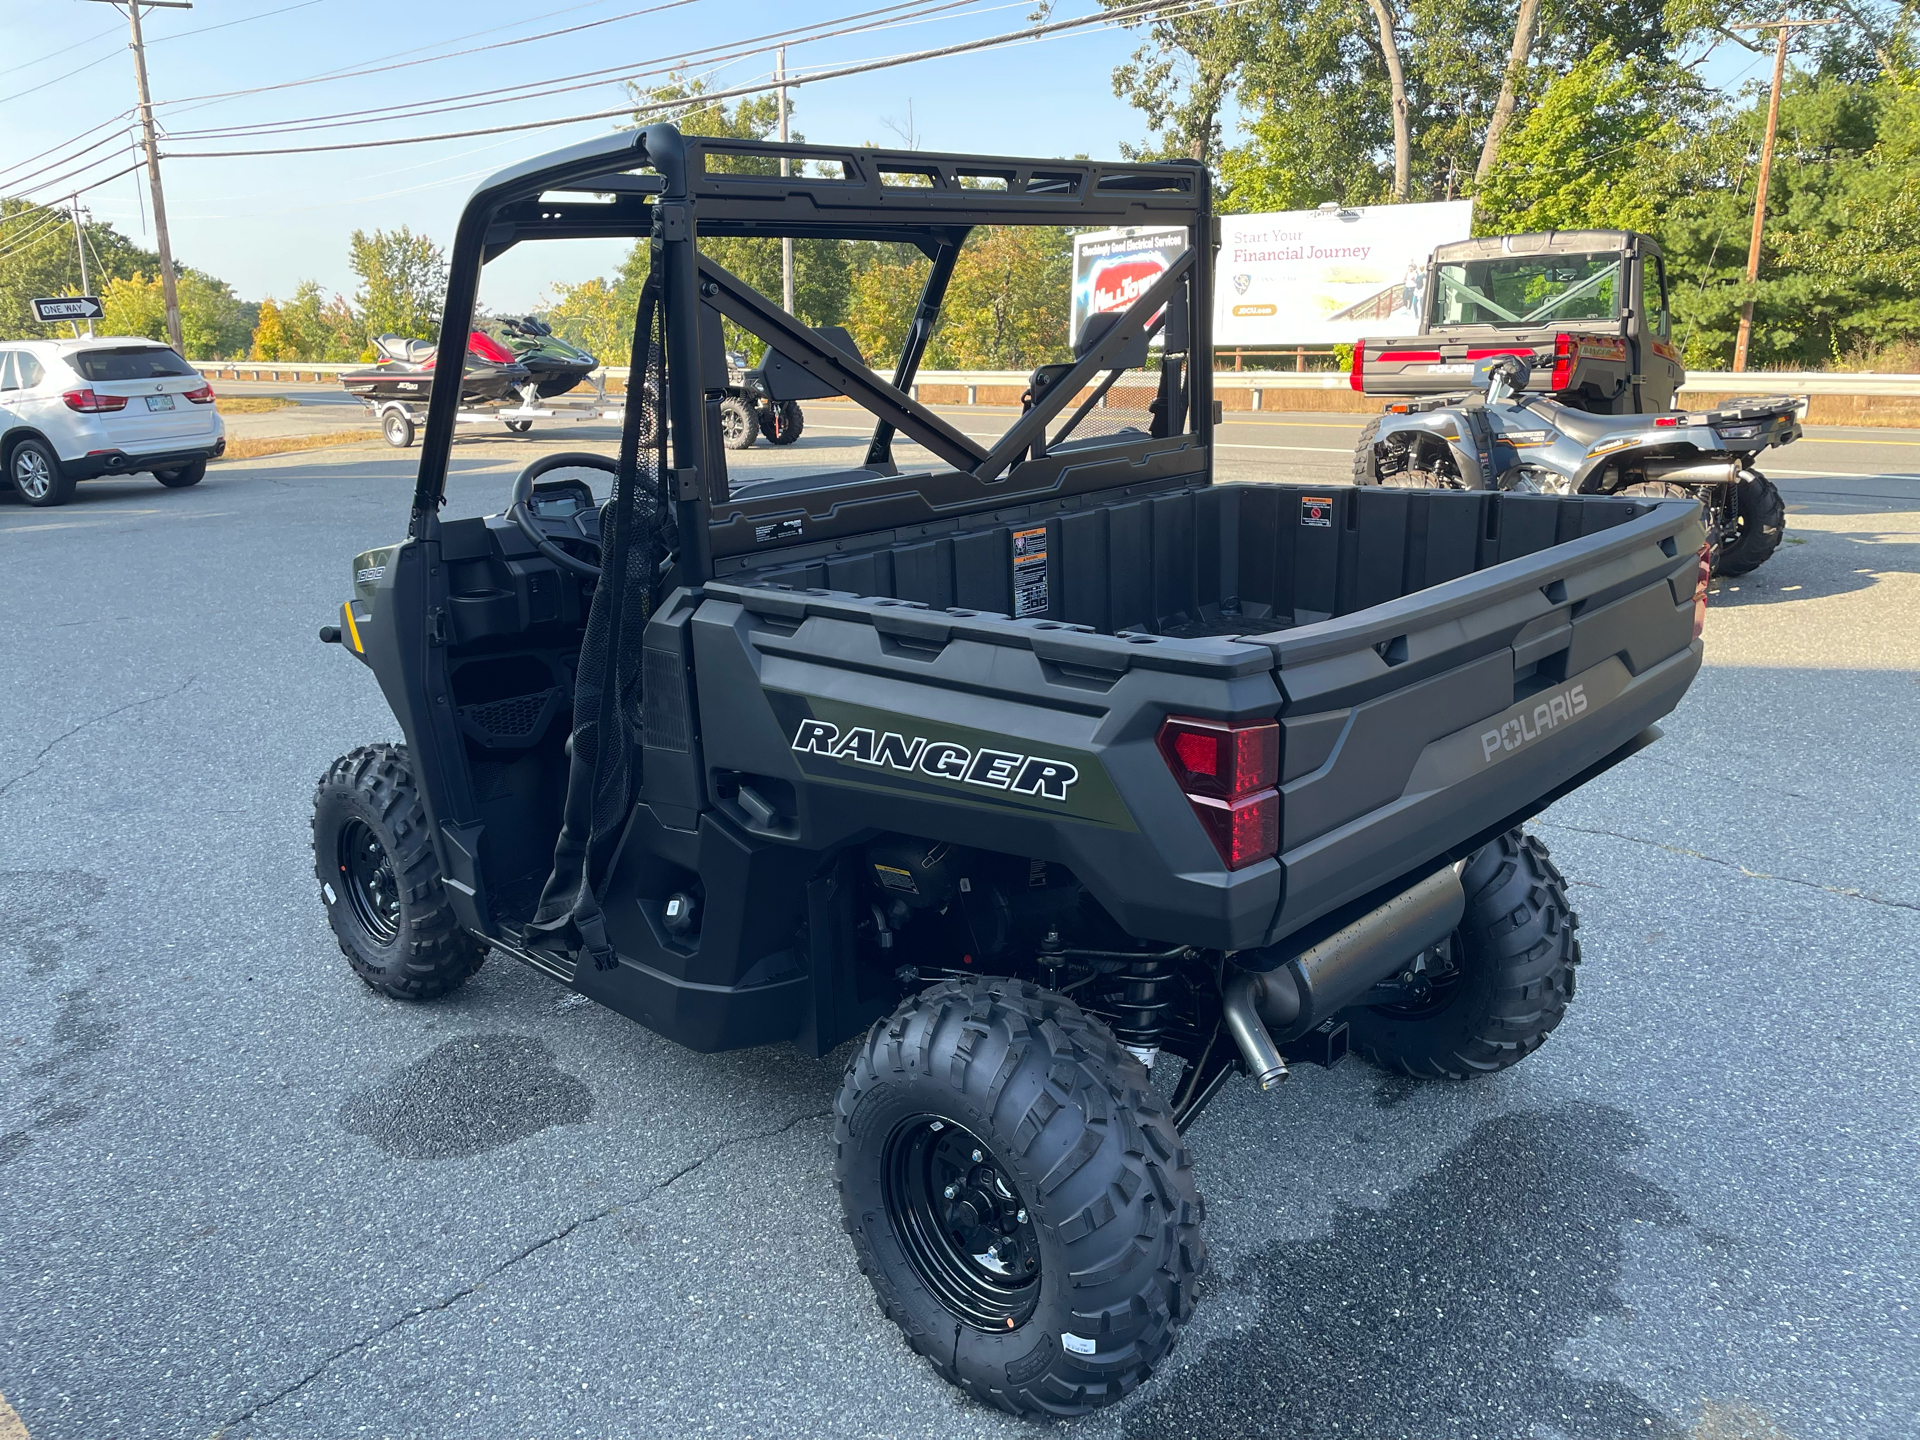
[241, 1195]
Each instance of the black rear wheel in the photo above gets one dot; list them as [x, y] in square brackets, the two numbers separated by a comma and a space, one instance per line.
[381, 880]
[1490, 995]
[781, 421]
[1761, 515]
[36, 474]
[1017, 1195]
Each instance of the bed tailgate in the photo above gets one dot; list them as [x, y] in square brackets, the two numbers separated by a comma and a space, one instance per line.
[1413, 725]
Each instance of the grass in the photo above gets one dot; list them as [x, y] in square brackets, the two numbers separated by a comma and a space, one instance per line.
[252, 448]
[252, 404]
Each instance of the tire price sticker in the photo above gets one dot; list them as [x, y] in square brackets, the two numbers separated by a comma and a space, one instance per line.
[1030, 572]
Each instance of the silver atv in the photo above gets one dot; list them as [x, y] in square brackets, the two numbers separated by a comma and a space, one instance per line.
[1498, 438]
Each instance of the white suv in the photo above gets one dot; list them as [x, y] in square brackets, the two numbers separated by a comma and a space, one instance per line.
[75, 409]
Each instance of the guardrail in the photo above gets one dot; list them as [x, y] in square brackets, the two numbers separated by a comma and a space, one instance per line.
[1835, 397]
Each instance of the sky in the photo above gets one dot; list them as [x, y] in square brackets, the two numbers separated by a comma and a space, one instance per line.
[265, 224]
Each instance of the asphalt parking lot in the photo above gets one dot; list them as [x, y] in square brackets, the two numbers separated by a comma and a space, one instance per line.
[241, 1195]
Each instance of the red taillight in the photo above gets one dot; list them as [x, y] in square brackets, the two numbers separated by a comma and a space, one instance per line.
[1228, 770]
[1357, 372]
[1700, 594]
[202, 396]
[1666, 421]
[90, 402]
[1565, 349]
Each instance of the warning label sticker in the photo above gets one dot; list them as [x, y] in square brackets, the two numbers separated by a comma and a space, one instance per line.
[1317, 510]
[1030, 572]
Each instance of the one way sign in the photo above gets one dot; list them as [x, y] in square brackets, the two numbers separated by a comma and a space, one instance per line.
[69, 307]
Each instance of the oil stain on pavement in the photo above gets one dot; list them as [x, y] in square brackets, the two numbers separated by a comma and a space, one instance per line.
[81, 1031]
[40, 914]
[471, 1095]
[1440, 1316]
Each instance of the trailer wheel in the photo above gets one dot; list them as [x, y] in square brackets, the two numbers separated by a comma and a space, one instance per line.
[381, 881]
[398, 428]
[1762, 517]
[1503, 986]
[1019, 1198]
[739, 427]
[519, 427]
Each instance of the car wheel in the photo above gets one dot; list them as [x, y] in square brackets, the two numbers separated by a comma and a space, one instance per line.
[35, 472]
[181, 476]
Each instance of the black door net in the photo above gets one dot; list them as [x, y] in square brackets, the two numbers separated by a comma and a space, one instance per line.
[603, 775]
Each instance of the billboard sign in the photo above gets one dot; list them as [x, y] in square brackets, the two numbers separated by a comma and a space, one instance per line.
[1328, 277]
[1112, 268]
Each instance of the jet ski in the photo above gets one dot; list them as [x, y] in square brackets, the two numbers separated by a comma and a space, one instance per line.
[556, 366]
[404, 371]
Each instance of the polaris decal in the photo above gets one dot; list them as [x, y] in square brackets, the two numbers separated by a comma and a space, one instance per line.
[1558, 718]
[943, 759]
[1555, 710]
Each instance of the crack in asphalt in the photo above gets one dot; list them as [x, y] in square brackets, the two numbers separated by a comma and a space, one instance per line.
[47, 749]
[1844, 890]
[374, 1336]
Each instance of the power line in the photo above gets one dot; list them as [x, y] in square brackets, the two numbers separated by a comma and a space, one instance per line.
[63, 160]
[22, 94]
[333, 75]
[540, 89]
[72, 140]
[225, 24]
[1102, 20]
[28, 64]
[58, 182]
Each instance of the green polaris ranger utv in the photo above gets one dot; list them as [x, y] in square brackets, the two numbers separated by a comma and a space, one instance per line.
[1064, 782]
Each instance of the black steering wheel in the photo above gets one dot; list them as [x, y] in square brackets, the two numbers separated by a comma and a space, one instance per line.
[520, 508]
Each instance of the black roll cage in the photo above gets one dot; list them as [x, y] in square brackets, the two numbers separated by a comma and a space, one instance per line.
[932, 201]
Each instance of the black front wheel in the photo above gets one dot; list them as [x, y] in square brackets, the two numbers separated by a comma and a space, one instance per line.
[1489, 996]
[381, 881]
[739, 426]
[181, 476]
[1017, 1195]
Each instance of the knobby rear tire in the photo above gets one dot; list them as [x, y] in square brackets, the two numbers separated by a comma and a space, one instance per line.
[1516, 949]
[1762, 514]
[1091, 1152]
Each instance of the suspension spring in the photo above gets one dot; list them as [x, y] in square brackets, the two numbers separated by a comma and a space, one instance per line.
[1143, 996]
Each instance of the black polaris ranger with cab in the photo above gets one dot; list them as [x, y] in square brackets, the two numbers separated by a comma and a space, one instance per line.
[1044, 764]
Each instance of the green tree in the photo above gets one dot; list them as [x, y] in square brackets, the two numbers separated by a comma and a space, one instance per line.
[38, 257]
[1183, 75]
[318, 328]
[1007, 306]
[880, 306]
[214, 323]
[270, 340]
[403, 282]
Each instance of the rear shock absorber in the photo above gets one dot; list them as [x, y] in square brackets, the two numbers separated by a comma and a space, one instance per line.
[1143, 997]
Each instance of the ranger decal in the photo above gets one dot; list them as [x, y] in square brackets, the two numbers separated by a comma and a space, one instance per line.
[941, 759]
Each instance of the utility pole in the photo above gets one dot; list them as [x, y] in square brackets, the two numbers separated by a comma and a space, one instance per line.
[786, 241]
[1785, 27]
[80, 244]
[167, 285]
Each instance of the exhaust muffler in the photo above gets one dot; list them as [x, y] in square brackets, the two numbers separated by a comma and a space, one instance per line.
[1293, 994]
